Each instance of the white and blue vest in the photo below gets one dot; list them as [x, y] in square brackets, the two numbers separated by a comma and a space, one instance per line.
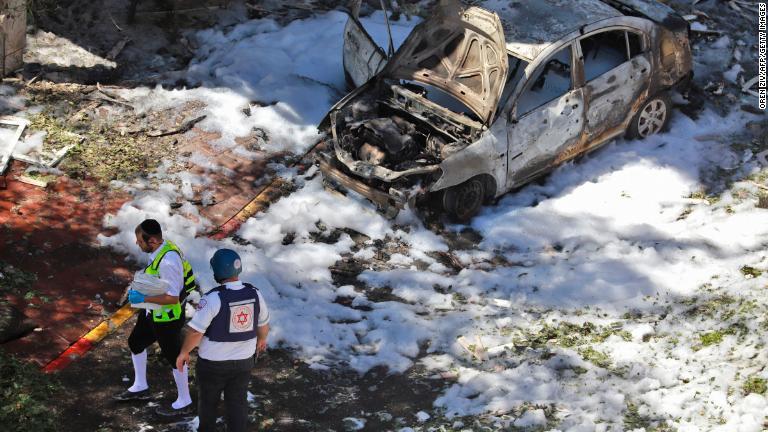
[238, 315]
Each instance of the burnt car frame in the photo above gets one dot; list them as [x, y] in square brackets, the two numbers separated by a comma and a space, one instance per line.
[476, 102]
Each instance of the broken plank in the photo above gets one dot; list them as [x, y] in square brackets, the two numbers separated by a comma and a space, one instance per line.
[28, 159]
[54, 160]
[499, 349]
[111, 95]
[60, 155]
[186, 126]
[32, 181]
[117, 48]
[105, 98]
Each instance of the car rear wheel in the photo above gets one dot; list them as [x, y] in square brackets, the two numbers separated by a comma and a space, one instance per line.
[652, 117]
[463, 201]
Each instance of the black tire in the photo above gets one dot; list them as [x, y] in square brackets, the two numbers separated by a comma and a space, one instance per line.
[652, 117]
[463, 201]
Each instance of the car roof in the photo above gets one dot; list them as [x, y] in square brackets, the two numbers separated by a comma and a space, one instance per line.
[530, 26]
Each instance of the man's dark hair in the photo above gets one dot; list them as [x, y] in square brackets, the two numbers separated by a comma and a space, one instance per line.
[150, 228]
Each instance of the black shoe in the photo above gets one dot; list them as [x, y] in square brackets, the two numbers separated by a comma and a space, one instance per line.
[132, 396]
[170, 411]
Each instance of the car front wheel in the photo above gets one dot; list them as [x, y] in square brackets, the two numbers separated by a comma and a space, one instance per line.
[463, 201]
[652, 117]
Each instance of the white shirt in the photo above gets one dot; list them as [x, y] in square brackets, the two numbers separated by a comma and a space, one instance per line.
[170, 270]
[208, 308]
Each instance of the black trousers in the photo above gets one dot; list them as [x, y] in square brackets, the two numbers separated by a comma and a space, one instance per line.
[230, 377]
[166, 334]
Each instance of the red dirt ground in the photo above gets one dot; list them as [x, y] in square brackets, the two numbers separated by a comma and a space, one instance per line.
[52, 232]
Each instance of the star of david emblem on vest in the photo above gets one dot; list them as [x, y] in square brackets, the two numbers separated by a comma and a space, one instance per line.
[241, 318]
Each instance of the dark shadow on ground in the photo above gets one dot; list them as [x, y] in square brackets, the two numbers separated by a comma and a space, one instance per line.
[155, 43]
[289, 396]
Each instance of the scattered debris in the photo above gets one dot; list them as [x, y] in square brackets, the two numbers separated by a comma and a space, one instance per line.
[450, 260]
[353, 424]
[502, 303]
[421, 416]
[8, 140]
[477, 351]
[750, 272]
[117, 49]
[53, 158]
[185, 127]
[747, 87]
[716, 88]
[32, 181]
[499, 349]
[762, 157]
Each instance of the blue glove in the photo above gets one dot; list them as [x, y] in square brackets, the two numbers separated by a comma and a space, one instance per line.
[135, 297]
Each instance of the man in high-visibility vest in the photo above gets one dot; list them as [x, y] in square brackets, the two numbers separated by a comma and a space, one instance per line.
[162, 325]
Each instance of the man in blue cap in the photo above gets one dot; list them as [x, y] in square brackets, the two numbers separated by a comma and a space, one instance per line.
[230, 326]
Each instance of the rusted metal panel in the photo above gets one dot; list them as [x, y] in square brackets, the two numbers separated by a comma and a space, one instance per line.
[675, 57]
[488, 155]
[362, 57]
[611, 95]
[381, 199]
[13, 26]
[459, 51]
[539, 137]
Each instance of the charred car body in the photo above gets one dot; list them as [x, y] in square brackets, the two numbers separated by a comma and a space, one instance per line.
[478, 102]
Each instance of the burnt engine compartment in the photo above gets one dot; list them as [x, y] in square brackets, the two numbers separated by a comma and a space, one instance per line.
[399, 130]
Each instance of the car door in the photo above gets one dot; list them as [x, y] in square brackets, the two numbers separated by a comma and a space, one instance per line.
[362, 57]
[548, 116]
[616, 70]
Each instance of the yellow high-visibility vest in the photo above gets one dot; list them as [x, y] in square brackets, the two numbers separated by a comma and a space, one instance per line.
[173, 311]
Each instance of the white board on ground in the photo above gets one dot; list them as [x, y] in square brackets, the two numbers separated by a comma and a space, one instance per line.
[10, 131]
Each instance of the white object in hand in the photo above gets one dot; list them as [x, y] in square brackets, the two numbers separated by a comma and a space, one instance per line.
[148, 285]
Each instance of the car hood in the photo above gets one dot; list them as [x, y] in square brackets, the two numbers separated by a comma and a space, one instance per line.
[460, 51]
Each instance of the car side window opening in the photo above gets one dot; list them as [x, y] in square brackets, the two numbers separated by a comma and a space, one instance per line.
[607, 50]
[635, 43]
[515, 72]
[550, 81]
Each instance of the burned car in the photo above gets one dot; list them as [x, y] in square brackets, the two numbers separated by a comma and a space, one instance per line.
[478, 102]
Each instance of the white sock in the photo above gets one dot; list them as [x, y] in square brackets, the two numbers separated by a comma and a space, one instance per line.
[139, 372]
[182, 387]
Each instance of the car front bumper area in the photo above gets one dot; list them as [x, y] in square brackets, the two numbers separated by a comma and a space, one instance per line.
[389, 204]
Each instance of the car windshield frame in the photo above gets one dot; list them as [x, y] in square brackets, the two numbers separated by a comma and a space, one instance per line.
[509, 93]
